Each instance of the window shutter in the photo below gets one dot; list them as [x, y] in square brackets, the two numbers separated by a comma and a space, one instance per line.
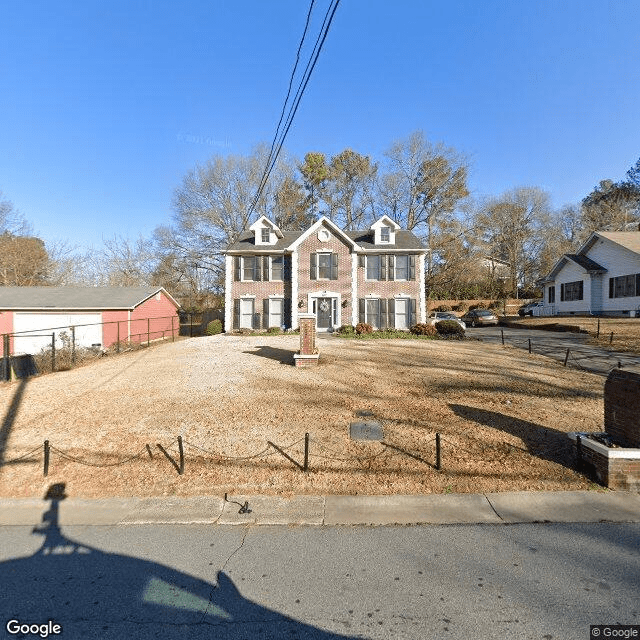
[236, 268]
[361, 260]
[611, 287]
[562, 292]
[236, 314]
[286, 268]
[580, 290]
[412, 268]
[638, 284]
[287, 320]
[413, 312]
[265, 313]
[257, 268]
[255, 324]
[391, 268]
[265, 267]
[362, 305]
[391, 313]
[382, 320]
[313, 266]
[334, 266]
[383, 267]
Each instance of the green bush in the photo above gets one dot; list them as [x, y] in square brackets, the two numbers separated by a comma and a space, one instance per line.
[214, 327]
[347, 329]
[424, 330]
[449, 328]
[363, 327]
[443, 307]
[273, 330]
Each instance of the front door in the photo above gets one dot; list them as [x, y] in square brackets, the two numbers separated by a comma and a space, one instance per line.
[323, 313]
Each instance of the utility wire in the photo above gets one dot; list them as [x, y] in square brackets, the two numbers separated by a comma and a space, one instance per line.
[273, 157]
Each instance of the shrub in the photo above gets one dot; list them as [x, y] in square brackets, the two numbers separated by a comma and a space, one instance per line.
[443, 307]
[424, 330]
[347, 329]
[461, 307]
[214, 327]
[449, 328]
[363, 327]
[477, 306]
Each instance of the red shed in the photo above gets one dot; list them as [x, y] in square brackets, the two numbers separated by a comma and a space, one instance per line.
[101, 315]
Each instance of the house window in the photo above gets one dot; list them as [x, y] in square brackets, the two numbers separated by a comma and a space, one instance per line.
[373, 313]
[324, 266]
[373, 267]
[570, 291]
[552, 295]
[402, 268]
[265, 235]
[248, 267]
[385, 235]
[277, 267]
[624, 286]
[276, 308]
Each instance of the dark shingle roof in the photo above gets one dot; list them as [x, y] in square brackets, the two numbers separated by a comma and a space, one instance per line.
[74, 297]
[586, 263]
[404, 240]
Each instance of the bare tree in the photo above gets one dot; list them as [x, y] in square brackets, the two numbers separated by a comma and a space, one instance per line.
[511, 228]
[422, 186]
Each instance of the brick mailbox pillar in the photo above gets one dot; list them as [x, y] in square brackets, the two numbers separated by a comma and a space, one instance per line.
[308, 355]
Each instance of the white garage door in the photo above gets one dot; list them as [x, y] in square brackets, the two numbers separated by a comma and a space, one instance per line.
[40, 326]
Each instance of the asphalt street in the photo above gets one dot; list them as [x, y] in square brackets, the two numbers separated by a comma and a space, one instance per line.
[546, 581]
[555, 344]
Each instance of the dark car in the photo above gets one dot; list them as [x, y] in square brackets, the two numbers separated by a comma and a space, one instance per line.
[480, 318]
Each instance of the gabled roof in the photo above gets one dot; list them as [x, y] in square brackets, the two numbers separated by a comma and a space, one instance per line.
[324, 221]
[246, 242]
[385, 220]
[76, 298]
[263, 221]
[582, 261]
[628, 239]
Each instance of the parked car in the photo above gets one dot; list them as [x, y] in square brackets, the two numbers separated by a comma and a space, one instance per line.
[480, 317]
[531, 309]
[445, 315]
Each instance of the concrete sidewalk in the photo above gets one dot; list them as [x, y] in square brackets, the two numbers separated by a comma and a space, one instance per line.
[491, 508]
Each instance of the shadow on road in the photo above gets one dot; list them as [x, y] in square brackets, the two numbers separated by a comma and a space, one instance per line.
[94, 594]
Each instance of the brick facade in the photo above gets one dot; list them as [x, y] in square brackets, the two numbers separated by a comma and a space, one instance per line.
[346, 286]
[622, 407]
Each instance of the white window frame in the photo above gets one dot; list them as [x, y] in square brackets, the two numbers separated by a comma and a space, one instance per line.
[271, 259]
[329, 254]
[265, 231]
[383, 231]
[366, 268]
[395, 267]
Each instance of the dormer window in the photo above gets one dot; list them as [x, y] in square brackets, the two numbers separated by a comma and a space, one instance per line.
[265, 231]
[265, 235]
[385, 234]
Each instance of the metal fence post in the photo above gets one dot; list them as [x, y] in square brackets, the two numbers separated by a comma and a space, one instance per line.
[566, 358]
[46, 458]
[172, 335]
[438, 451]
[53, 352]
[181, 451]
[502, 334]
[529, 345]
[6, 356]
[73, 345]
[306, 452]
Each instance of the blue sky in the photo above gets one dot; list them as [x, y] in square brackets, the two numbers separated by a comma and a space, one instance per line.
[105, 106]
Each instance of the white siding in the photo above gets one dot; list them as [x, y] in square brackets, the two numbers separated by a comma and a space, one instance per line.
[619, 262]
[571, 272]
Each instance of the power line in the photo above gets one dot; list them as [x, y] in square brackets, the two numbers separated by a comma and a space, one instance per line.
[313, 59]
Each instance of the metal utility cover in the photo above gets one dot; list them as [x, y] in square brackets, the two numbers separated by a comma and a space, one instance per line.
[366, 431]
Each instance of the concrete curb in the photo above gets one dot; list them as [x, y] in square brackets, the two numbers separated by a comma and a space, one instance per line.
[437, 509]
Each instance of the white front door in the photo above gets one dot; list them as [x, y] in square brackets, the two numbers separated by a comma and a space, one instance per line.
[402, 313]
[246, 313]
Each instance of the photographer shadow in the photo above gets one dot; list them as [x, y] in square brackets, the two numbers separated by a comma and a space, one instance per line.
[91, 593]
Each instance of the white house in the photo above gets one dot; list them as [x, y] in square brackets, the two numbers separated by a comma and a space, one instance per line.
[602, 278]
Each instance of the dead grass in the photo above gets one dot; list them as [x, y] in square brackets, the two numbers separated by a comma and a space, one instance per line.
[503, 416]
[626, 331]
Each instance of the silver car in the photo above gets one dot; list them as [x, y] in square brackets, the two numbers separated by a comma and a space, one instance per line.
[438, 316]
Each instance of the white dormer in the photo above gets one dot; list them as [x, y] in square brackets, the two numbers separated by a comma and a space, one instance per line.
[265, 232]
[384, 231]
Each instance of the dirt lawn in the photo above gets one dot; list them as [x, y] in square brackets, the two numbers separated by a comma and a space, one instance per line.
[502, 414]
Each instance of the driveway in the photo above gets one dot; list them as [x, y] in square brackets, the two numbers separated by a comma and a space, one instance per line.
[555, 344]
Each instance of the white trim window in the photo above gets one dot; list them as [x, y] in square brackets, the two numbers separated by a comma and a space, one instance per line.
[385, 234]
[401, 267]
[277, 267]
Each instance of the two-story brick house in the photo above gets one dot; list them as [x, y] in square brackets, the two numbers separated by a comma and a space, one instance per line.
[344, 277]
